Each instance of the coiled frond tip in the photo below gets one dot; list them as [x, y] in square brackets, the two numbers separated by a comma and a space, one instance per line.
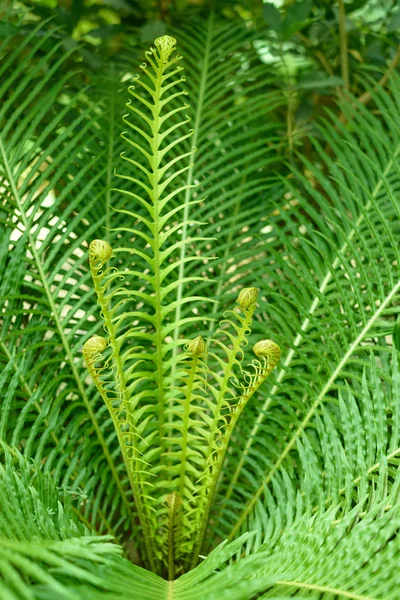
[197, 347]
[247, 298]
[166, 45]
[267, 349]
[100, 250]
[94, 345]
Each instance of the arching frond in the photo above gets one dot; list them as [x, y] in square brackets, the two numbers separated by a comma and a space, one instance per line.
[52, 194]
[337, 315]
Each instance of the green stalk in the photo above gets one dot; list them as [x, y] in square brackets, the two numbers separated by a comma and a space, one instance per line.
[186, 415]
[154, 193]
[228, 372]
[123, 395]
[173, 501]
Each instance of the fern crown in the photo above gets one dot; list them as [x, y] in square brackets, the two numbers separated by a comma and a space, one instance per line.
[174, 413]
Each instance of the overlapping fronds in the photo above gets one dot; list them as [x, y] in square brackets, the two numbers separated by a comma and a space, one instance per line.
[236, 136]
[52, 182]
[45, 551]
[333, 288]
[352, 558]
[43, 547]
[172, 434]
[172, 445]
[143, 375]
[57, 190]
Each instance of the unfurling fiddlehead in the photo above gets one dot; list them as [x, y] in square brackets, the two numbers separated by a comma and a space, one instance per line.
[93, 352]
[173, 412]
[230, 339]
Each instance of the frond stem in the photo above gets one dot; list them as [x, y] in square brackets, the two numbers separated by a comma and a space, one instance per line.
[326, 590]
[186, 417]
[344, 54]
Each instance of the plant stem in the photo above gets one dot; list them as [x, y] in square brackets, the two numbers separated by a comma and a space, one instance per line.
[155, 198]
[174, 501]
[186, 417]
[367, 96]
[224, 386]
[317, 53]
[344, 55]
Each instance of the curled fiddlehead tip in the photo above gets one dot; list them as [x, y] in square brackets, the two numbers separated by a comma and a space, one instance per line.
[267, 349]
[197, 347]
[94, 346]
[166, 45]
[247, 298]
[99, 250]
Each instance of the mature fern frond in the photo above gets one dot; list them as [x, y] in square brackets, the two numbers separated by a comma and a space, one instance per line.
[337, 316]
[43, 547]
[236, 136]
[323, 533]
[52, 193]
[349, 560]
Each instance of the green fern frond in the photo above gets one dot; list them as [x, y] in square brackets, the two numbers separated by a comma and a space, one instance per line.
[177, 435]
[171, 439]
[338, 315]
[52, 189]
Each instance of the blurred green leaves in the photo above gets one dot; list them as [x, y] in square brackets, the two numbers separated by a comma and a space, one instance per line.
[294, 18]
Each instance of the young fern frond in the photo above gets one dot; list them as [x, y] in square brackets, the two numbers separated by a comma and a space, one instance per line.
[187, 447]
[119, 408]
[227, 404]
[173, 412]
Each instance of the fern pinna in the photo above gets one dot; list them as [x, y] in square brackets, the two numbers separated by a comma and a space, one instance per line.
[173, 411]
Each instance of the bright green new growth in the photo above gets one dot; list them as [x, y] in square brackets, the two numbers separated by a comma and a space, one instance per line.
[173, 412]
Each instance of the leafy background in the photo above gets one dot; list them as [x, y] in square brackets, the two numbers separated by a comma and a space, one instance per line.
[297, 164]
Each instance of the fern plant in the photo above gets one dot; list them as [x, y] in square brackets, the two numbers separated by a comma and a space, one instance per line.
[166, 467]
[173, 415]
